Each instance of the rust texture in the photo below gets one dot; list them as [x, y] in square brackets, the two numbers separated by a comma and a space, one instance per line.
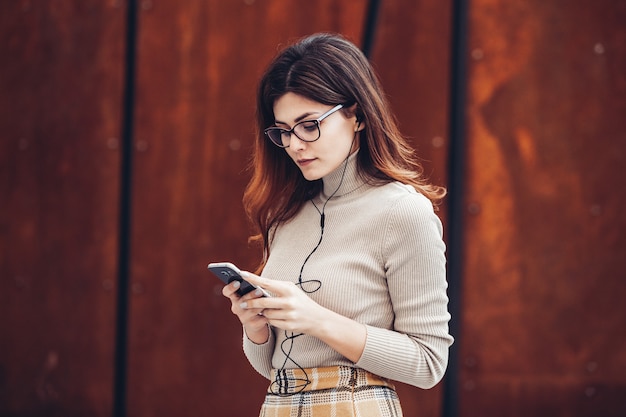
[544, 239]
[61, 84]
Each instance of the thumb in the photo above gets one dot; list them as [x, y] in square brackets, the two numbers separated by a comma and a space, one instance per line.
[265, 283]
[254, 279]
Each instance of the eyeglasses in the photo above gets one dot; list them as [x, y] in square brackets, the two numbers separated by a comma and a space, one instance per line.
[306, 130]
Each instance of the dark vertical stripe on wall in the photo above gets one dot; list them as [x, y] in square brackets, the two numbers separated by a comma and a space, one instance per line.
[456, 171]
[121, 342]
[371, 18]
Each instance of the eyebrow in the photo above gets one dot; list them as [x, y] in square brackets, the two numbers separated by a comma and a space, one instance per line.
[297, 119]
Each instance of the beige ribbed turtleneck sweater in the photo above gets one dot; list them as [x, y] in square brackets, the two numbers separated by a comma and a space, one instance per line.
[381, 262]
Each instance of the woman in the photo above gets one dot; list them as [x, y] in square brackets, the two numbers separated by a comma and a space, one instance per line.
[353, 251]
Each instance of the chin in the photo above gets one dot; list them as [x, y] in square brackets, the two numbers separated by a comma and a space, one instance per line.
[311, 176]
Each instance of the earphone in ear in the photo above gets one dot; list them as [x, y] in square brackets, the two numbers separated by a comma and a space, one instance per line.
[358, 124]
[358, 115]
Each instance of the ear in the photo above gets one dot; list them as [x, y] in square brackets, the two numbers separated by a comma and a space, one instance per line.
[360, 122]
[360, 125]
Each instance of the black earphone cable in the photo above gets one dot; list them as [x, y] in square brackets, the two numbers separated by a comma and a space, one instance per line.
[280, 385]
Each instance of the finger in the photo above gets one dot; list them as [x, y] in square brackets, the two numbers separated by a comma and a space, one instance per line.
[252, 305]
[268, 314]
[253, 320]
[255, 279]
[272, 286]
[244, 314]
[258, 293]
[230, 290]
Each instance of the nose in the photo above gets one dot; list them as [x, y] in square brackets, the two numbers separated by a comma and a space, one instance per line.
[295, 143]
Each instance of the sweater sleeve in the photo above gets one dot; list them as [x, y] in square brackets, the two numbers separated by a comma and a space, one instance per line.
[260, 356]
[415, 351]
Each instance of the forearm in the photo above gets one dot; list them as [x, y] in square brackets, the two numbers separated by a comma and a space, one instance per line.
[415, 360]
[259, 355]
[342, 334]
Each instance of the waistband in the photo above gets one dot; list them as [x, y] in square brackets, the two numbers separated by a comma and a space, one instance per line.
[293, 381]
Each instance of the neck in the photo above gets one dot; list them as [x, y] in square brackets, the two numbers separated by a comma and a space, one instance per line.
[343, 179]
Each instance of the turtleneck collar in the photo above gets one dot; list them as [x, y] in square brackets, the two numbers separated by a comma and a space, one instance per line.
[344, 179]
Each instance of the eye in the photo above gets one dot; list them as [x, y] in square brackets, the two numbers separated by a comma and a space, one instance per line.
[308, 126]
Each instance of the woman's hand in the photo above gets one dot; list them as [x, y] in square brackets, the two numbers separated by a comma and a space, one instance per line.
[290, 309]
[253, 322]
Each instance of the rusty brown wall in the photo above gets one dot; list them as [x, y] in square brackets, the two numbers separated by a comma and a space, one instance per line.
[60, 97]
[543, 247]
[545, 242]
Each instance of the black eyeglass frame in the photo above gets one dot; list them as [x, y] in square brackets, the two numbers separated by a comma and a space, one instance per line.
[292, 130]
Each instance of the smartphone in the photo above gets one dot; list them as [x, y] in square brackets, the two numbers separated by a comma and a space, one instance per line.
[228, 273]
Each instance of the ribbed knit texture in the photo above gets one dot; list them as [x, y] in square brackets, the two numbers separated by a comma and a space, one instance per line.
[381, 263]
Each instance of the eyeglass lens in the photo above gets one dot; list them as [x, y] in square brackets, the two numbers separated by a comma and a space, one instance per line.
[307, 131]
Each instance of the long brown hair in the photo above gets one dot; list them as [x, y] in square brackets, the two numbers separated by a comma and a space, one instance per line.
[331, 70]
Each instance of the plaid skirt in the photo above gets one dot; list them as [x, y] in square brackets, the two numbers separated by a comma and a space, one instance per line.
[338, 391]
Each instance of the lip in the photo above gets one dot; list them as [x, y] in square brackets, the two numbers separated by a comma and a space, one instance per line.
[304, 161]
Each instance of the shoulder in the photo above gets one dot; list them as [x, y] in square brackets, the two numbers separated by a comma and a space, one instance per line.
[407, 208]
[411, 225]
[404, 197]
